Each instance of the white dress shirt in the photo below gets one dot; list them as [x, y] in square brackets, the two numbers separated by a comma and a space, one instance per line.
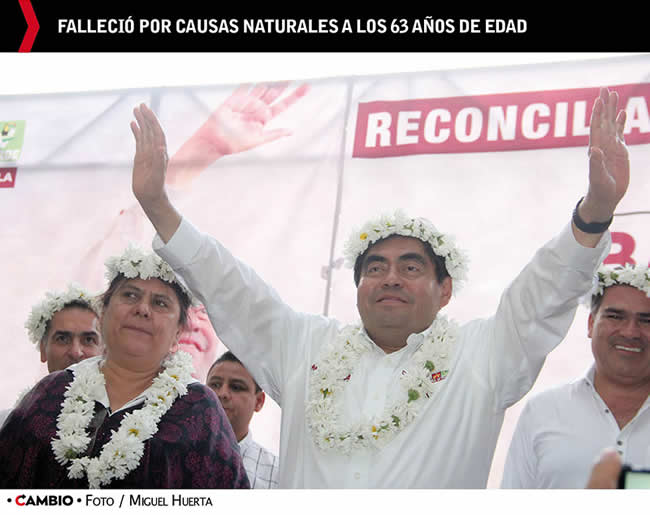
[451, 443]
[261, 464]
[561, 433]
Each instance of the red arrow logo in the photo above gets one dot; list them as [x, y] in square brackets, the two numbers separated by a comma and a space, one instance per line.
[32, 25]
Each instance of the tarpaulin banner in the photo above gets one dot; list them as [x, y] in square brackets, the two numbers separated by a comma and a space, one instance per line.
[497, 157]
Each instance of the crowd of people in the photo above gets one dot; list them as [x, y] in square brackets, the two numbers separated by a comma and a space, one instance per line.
[404, 399]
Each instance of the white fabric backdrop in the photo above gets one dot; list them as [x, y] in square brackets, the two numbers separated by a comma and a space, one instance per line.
[281, 207]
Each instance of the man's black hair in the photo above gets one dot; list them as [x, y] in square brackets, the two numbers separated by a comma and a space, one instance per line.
[438, 261]
[230, 357]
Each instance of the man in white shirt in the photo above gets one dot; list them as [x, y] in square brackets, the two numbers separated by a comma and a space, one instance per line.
[405, 399]
[561, 431]
[241, 397]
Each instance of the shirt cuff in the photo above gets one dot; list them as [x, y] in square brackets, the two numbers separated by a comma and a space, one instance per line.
[181, 247]
[583, 257]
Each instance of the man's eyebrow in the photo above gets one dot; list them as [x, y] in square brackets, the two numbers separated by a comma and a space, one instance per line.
[374, 258]
[619, 311]
[71, 333]
[239, 382]
[413, 256]
[409, 256]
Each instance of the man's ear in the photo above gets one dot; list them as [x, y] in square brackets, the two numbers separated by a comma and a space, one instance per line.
[446, 290]
[42, 348]
[590, 324]
[260, 397]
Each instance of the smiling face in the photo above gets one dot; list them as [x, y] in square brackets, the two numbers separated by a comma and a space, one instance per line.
[141, 322]
[72, 336]
[620, 336]
[398, 291]
[200, 341]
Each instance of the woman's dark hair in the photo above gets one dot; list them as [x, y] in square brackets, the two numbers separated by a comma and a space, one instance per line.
[438, 262]
[184, 299]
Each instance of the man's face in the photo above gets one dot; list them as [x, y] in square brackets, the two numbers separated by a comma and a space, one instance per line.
[141, 321]
[235, 388]
[73, 336]
[398, 291]
[199, 340]
[620, 335]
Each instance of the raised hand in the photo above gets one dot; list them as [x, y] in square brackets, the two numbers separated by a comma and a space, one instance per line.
[609, 166]
[149, 169]
[150, 161]
[239, 123]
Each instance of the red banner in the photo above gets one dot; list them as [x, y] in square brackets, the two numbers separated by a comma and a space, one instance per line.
[491, 123]
[7, 177]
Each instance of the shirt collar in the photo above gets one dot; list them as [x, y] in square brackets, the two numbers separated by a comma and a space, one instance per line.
[590, 375]
[413, 342]
[246, 441]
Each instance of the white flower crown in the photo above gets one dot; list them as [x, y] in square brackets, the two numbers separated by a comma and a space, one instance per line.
[54, 302]
[136, 262]
[637, 276]
[399, 223]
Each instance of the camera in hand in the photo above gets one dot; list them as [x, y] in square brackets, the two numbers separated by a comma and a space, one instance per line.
[634, 478]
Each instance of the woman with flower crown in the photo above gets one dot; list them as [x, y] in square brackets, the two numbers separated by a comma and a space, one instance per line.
[134, 417]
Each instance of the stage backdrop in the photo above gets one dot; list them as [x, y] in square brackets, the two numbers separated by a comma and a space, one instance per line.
[497, 157]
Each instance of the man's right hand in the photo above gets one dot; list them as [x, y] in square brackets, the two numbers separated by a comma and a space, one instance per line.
[150, 161]
[149, 168]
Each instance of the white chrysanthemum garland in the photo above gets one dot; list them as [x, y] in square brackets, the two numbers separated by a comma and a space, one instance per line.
[637, 276]
[122, 453]
[55, 301]
[399, 223]
[330, 375]
[136, 262]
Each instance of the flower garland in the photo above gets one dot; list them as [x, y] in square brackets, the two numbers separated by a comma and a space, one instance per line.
[54, 301]
[398, 223]
[122, 453]
[135, 262]
[637, 276]
[329, 377]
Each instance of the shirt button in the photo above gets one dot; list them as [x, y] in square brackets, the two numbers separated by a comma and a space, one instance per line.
[619, 443]
[357, 475]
